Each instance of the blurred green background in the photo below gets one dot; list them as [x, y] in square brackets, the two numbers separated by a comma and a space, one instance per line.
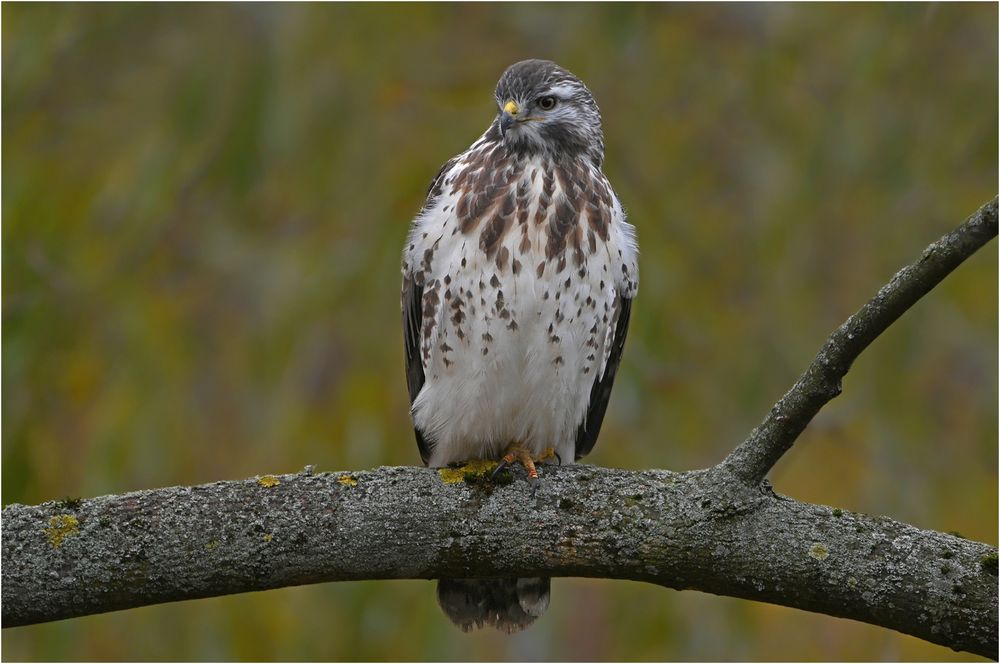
[203, 213]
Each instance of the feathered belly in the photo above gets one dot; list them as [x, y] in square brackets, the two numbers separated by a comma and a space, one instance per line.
[511, 348]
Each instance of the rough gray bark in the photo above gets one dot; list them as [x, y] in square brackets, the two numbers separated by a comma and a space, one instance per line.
[701, 530]
[720, 530]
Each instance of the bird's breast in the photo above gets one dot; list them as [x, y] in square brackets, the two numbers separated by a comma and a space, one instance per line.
[518, 298]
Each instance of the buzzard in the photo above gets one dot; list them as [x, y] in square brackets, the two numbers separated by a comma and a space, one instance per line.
[518, 279]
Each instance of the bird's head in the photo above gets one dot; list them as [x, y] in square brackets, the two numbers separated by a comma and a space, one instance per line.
[542, 108]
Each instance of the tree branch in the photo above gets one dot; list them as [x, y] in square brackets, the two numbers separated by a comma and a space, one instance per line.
[698, 530]
[719, 530]
[821, 382]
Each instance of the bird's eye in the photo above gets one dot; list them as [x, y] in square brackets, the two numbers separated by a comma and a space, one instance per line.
[547, 103]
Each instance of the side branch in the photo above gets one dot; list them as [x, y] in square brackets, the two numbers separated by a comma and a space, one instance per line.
[821, 382]
[696, 530]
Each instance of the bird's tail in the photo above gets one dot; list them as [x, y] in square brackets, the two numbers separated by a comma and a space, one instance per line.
[509, 604]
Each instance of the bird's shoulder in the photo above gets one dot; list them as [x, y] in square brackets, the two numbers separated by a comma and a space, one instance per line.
[456, 177]
[476, 156]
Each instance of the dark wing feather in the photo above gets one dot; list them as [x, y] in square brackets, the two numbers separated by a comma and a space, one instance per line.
[413, 296]
[434, 190]
[586, 435]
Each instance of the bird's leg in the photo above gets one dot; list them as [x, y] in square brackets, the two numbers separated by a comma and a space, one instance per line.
[549, 453]
[516, 452]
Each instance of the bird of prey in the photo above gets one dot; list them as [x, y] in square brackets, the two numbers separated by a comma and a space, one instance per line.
[518, 279]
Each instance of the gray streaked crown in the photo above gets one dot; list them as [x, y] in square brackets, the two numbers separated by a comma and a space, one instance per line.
[572, 128]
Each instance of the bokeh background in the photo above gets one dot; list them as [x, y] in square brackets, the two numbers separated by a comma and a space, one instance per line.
[203, 212]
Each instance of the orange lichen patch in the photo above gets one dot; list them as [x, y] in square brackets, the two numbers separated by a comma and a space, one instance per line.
[212, 545]
[268, 537]
[348, 480]
[268, 481]
[60, 527]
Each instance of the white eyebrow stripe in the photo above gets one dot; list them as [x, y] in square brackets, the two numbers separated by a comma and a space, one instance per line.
[562, 91]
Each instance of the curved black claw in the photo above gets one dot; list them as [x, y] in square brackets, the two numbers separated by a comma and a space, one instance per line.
[558, 458]
[496, 471]
[533, 483]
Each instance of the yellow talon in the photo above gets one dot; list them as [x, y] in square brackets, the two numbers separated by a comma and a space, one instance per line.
[516, 452]
[549, 453]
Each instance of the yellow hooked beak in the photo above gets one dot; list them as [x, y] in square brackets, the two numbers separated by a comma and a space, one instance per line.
[510, 110]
